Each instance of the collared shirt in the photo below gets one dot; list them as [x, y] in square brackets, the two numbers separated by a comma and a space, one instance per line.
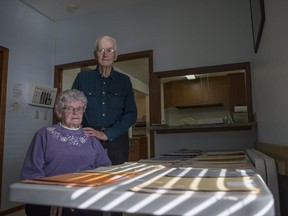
[111, 102]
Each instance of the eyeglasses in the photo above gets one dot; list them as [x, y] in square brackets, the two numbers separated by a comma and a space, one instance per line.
[74, 110]
[108, 50]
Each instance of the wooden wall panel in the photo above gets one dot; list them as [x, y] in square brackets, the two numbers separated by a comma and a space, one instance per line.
[278, 152]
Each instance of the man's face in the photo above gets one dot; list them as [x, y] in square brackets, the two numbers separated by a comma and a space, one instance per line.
[105, 53]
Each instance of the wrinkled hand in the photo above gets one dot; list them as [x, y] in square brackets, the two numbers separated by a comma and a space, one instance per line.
[98, 134]
[56, 211]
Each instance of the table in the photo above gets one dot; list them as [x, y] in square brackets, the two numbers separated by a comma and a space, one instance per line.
[118, 197]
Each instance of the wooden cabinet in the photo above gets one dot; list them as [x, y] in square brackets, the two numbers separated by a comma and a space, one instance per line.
[237, 97]
[138, 148]
[237, 90]
[143, 147]
[204, 91]
[219, 90]
[134, 150]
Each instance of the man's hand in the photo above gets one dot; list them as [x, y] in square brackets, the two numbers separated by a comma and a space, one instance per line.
[98, 134]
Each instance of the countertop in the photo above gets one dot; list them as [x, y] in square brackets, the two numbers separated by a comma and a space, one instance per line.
[163, 128]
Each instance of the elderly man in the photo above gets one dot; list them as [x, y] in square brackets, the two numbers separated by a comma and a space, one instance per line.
[111, 108]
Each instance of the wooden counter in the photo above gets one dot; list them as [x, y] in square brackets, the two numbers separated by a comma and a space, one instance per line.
[161, 129]
[138, 148]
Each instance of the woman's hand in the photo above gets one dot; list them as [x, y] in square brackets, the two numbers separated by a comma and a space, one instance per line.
[98, 134]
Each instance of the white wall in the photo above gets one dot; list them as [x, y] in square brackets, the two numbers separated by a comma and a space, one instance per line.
[270, 75]
[235, 140]
[30, 40]
[182, 34]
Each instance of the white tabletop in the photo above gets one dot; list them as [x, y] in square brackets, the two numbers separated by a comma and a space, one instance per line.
[119, 197]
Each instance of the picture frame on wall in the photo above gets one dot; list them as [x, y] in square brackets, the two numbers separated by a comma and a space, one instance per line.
[257, 19]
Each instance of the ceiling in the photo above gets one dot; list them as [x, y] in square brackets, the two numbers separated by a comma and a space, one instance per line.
[58, 10]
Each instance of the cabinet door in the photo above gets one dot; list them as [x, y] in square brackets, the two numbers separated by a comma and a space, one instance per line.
[143, 147]
[237, 92]
[202, 91]
[134, 150]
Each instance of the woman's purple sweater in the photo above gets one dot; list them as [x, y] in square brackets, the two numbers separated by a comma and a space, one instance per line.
[56, 150]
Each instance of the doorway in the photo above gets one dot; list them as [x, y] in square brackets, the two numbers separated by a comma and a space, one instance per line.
[126, 63]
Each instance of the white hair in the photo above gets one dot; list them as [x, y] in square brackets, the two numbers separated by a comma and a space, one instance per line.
[105, 38]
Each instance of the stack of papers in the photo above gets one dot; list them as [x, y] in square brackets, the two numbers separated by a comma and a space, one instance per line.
[225, 153]
[210, 173]
[81, 179]
[164, 161]
[97, 177]
[182, 180]
[134, 167]
[183, 153]
[221, 159]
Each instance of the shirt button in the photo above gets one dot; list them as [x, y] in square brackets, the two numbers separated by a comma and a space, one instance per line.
[103, 103]
[103, 92]
[103, 114]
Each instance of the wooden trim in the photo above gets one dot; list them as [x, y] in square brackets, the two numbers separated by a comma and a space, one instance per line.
[154, 99]
[205, 69]
[12, 210]
[278, 152]
[4, 54]
[153, 80]
[152, 144]
[212, 69]
[205, 128]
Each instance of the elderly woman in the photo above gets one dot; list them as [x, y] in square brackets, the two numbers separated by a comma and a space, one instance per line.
[63, 148]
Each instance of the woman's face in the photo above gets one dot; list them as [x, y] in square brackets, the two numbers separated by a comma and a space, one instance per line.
[71, 115]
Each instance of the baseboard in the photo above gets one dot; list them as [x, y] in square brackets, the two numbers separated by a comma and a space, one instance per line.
[12, 210]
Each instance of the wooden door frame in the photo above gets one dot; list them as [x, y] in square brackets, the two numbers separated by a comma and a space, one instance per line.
[246, 66]
[4, 54]
[153, 83]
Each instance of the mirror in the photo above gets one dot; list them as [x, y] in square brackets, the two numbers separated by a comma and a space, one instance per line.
[219, 94]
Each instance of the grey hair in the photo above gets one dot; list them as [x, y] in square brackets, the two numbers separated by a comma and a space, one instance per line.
[105, 37]
[69, 96]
